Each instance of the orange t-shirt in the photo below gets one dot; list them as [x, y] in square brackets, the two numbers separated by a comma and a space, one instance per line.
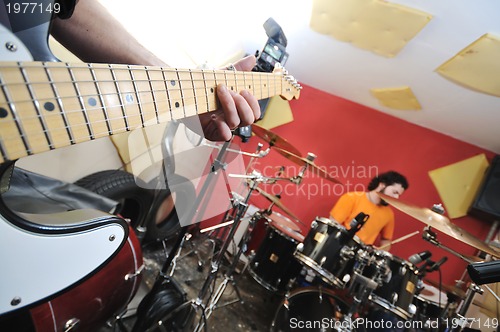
[381, 220]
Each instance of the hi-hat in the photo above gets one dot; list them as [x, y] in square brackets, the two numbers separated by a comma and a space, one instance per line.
[311, 165]
[274, 139]
[441, 223]
[277, 202]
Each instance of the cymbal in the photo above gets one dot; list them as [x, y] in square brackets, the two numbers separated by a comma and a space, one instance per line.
[304, 161]
[441, 223]
[277, 202]
[450, 289]
[274, 139]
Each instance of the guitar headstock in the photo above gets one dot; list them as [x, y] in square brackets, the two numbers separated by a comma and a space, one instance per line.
[291, 88]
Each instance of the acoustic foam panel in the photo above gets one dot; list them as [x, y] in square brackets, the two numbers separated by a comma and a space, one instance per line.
[458, 183]
[400, 98]
[476, 66]
[378, 26]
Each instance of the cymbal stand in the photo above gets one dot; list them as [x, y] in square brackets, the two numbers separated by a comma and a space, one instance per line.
[239, 211]
[430, 236]
[226, 219]
[459, 321]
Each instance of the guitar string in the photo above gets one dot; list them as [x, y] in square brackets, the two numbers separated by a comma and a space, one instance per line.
[187, 101]
[149, 93]
[95, 124]
[139, 92]
[272, 86]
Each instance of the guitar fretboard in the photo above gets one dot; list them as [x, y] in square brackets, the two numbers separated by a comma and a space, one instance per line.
[45, 106]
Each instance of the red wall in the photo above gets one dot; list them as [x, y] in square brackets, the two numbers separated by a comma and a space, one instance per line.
[355, 142]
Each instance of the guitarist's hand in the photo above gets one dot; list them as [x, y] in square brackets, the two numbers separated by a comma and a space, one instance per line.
[236, 109]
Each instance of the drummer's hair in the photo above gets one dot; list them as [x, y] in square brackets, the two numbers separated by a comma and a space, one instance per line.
[389, 178]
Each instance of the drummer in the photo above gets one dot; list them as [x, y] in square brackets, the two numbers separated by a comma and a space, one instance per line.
[381, 220]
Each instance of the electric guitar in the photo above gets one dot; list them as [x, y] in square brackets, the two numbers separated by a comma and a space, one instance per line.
[45, 105]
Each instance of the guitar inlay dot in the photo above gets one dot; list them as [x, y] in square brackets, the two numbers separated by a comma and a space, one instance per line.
[212, 90]
[129, 98]
[48, 106]
[172, 82]
[232, 88]
[249, 86]
[92, 101]
[177, 104]
[3, 112]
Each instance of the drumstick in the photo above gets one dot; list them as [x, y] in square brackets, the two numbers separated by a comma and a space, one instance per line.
[399, 240]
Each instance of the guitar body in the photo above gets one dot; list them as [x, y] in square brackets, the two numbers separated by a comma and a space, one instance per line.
[69, 269]
[100, 297]
[61, 271]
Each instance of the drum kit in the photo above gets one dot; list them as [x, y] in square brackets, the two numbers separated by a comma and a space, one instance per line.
[351, 280]
[327, 276]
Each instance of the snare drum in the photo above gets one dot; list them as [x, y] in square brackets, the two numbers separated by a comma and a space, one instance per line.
[397, 294]
[329, 251]
[273, 265]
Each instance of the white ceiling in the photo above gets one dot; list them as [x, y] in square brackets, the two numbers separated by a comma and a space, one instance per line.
[213, 31]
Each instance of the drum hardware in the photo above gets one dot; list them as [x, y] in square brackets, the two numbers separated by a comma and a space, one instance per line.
[441, 223]
[259, 154]
[238, 213]
[273, 139]
[308, 163]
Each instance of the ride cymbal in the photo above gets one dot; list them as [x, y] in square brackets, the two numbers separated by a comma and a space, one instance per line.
[274, 139]
[441, 223]
[304, 161]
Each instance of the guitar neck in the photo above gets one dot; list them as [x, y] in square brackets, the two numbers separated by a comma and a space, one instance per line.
[45, 106]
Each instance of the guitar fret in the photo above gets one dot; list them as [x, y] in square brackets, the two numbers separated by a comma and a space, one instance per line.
[60, 104]
[168, 95]
[14, 116]
[194, 91]
[82, 103]
[101, 99]
[153, 93]
[182, 94]
[206, 89]
[139, 103]
[36, 104]
[120, 98]
[44, 106]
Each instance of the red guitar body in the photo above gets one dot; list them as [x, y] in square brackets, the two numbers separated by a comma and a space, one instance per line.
[97, 299]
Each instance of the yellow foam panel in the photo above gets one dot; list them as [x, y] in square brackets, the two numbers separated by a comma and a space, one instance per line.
[278, 112]
[458, 184]
[401, 98]
[381, 27]
[476, 67]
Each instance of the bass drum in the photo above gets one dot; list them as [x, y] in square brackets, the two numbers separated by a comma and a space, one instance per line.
[309, 309]
[102, 296]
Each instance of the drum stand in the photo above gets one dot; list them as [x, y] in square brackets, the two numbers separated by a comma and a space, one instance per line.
[458, 321]
[238, 212]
